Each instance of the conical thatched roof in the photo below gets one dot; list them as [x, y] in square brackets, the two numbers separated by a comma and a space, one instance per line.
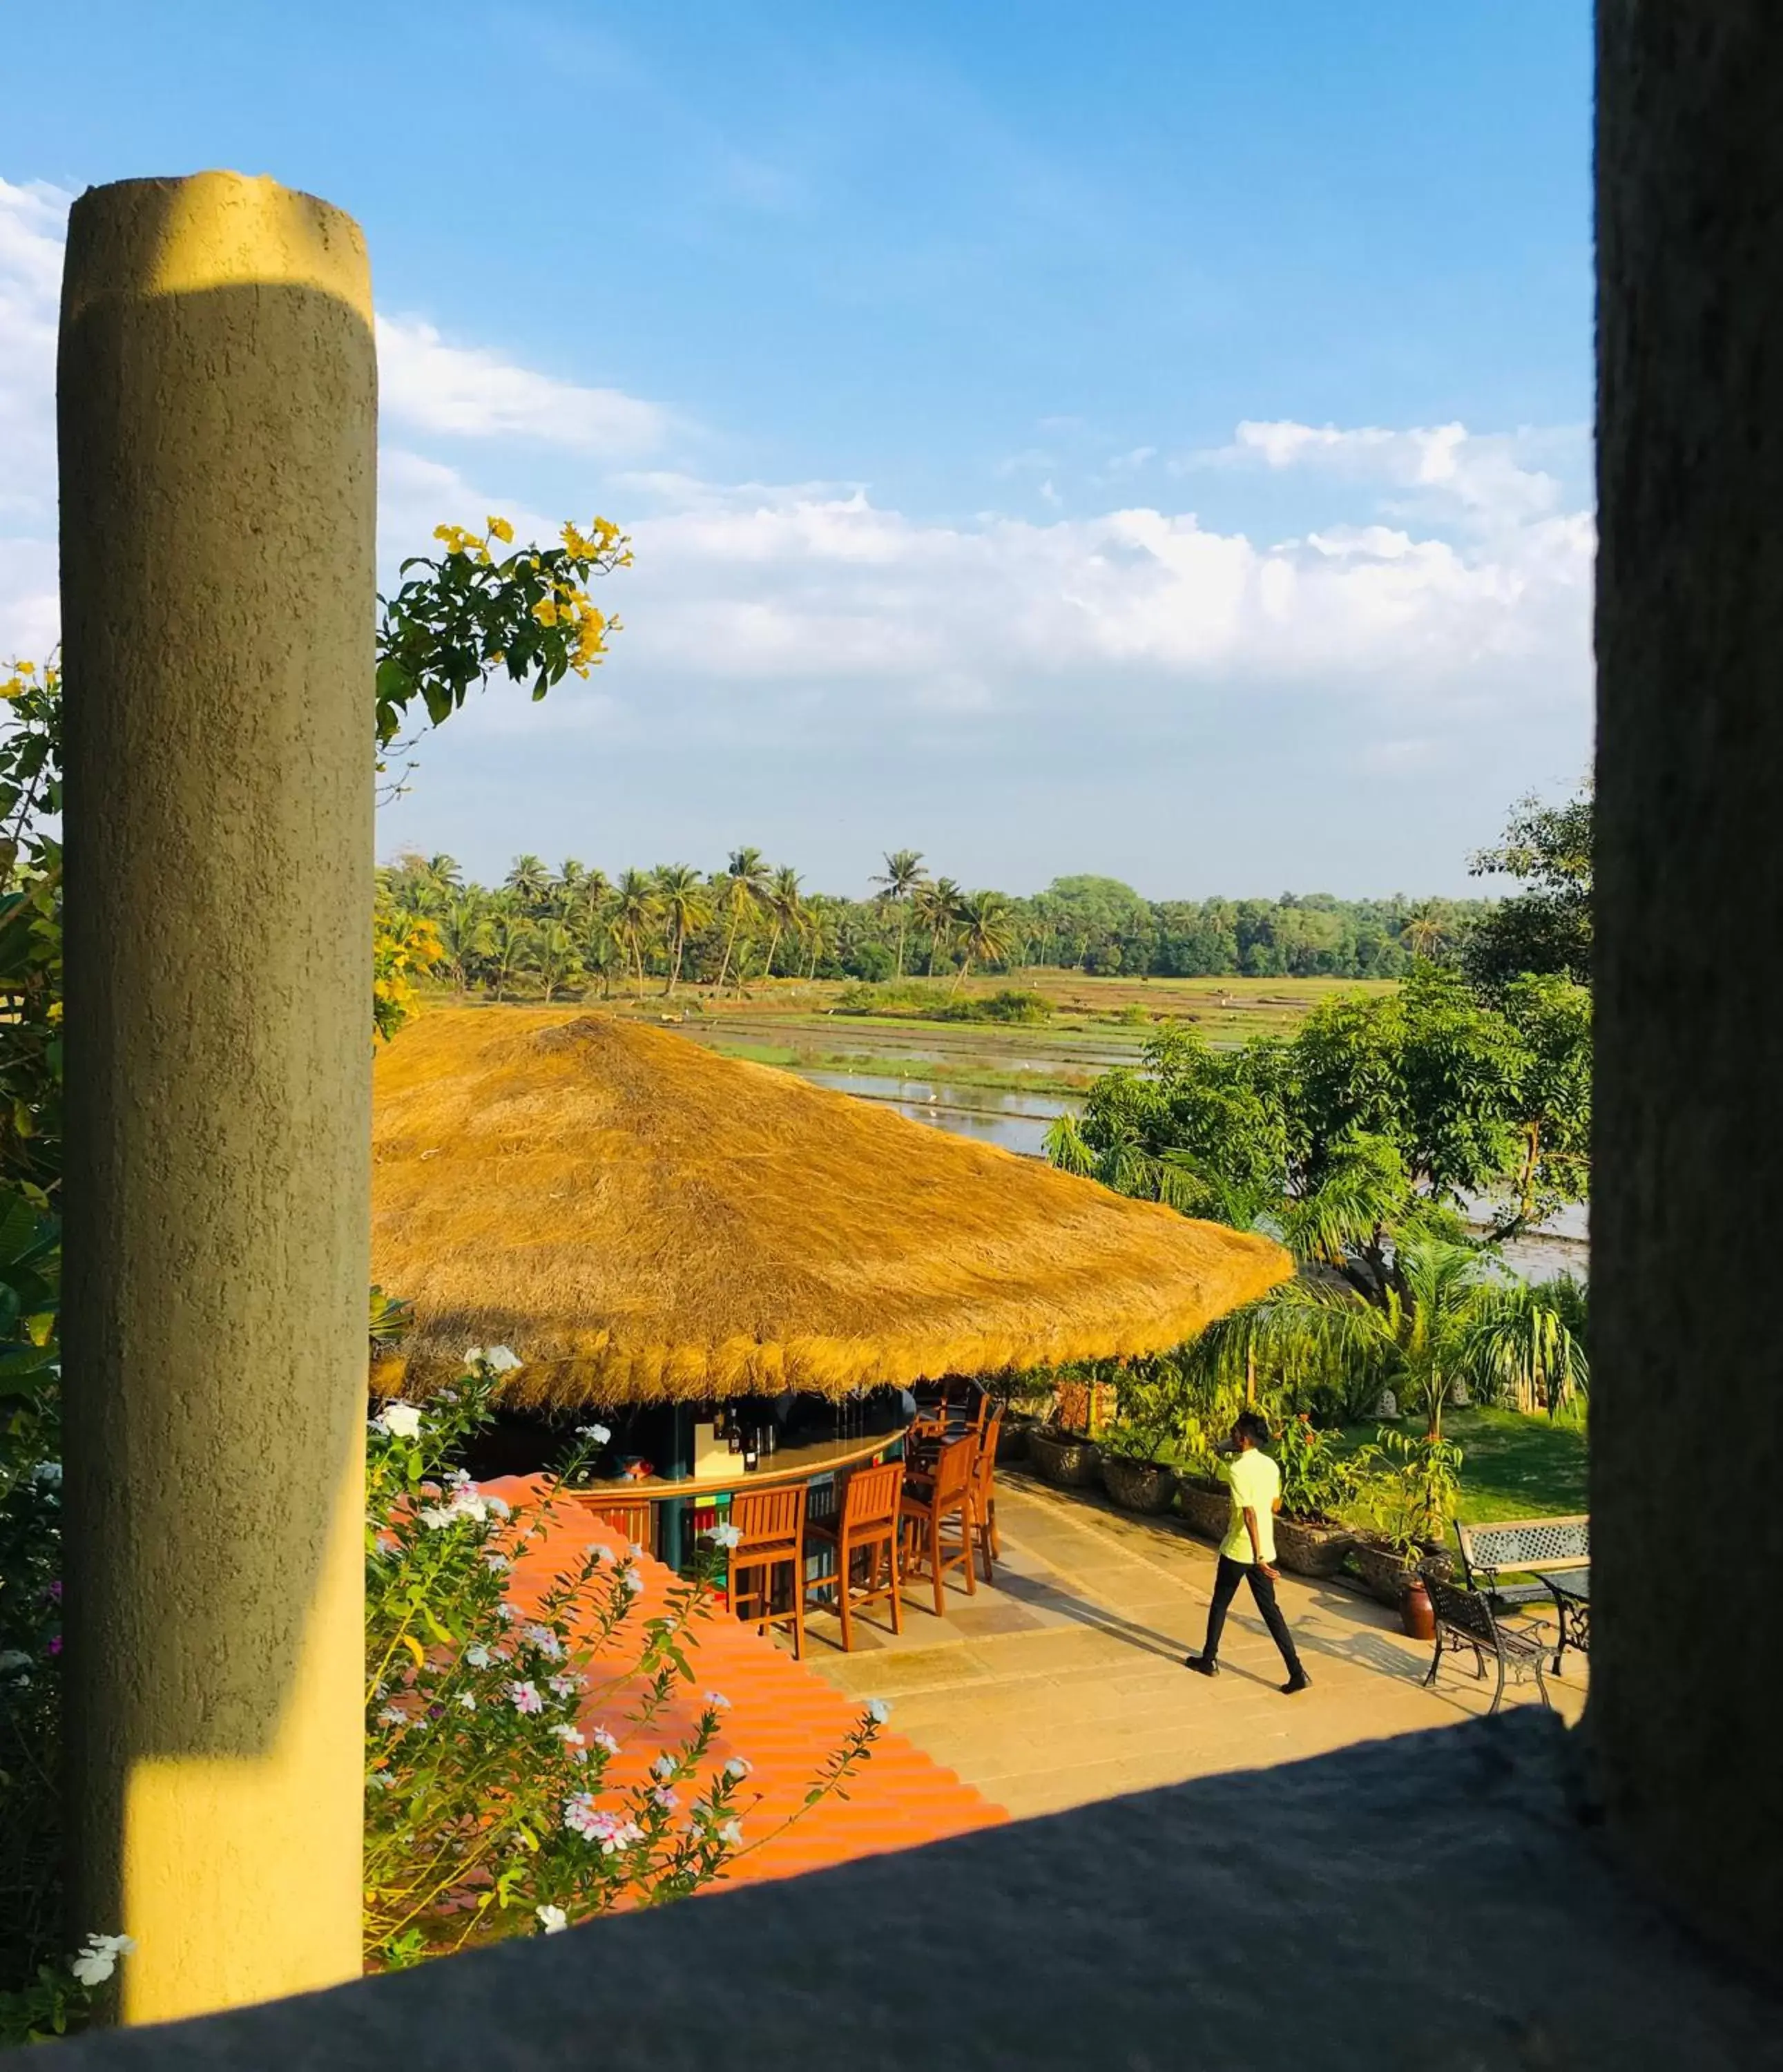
[639, 1218]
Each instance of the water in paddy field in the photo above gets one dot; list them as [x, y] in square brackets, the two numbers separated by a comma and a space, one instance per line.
[1015, 1121]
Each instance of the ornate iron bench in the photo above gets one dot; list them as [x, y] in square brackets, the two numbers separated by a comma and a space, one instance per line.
[1557, 1550]
[1465, 1619]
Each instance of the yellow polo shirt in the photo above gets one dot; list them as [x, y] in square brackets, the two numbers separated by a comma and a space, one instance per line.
[1255, 1483]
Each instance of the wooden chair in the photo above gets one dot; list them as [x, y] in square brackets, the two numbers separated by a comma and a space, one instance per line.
[984, 1533]
[936, 1513]
[867, 1524]
[923, 1438]
[772, 1526]
[630, 1516]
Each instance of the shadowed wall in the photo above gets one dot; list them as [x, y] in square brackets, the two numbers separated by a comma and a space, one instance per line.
[1687, 1412]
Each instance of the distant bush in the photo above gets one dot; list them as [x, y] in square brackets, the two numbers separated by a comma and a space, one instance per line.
[1013, 1004]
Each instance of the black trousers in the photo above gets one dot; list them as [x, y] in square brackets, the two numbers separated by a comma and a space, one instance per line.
[1226, 1584]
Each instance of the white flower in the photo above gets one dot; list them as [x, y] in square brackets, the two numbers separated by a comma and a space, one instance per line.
[507, 1612]
[568, 1684]
[571, 1736]
[523, 1696]
[633, 1579]
[716, 1701]
[597, 1435]
[546, 1641]
[474, 1355]
[379, 1780]
[502, 1359]
[726, 1536]
[736, 1767]
[552, 1919]
[878, 1710]
[433, 1516]
[600, 1554]
[664, 1798]
[98, 1959]
[468, 1700]
[398, 1421]
[612, 1830]
[46, 1471]
[638, 1553]
[391, 1717]
[603, 1740]
[497, 1565]
[500, 1505]
[478, 1655]
[732, 1834]
[663, 1766]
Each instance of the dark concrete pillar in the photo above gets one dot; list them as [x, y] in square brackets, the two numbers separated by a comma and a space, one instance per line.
[1687, 1194]
[217, 405]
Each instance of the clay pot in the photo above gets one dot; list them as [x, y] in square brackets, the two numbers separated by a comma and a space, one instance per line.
[1417, 1615]
[1141, 1486]
[1063, 1459]
[1307, 1548]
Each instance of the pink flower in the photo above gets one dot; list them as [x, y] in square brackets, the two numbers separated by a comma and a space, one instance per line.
[524, 1698]
[612, 1830]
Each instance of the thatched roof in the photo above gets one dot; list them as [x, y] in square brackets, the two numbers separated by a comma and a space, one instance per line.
[640, 1219]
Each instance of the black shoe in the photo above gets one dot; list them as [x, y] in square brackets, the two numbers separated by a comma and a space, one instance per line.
[1299, 1681]
[1203, 1665]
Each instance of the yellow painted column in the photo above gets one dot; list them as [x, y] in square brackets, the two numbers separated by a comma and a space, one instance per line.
[217, 412]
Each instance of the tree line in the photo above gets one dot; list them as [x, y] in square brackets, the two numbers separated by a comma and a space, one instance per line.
[542, 933]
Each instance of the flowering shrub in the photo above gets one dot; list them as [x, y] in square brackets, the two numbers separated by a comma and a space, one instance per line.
[492, 1737]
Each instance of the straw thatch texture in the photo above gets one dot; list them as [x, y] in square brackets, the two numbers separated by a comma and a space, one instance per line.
[639, 1218]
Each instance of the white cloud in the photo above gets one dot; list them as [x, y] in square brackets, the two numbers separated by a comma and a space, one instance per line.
[32, 219]
[466, 391]
[1484, 479]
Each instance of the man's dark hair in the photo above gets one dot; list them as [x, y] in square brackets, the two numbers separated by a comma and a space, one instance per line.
[1252, 1426]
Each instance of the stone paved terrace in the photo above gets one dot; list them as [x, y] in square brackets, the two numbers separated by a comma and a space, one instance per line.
[1062, 1683]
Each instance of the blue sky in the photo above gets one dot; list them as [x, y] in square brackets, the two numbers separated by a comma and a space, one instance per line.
[1152, 442]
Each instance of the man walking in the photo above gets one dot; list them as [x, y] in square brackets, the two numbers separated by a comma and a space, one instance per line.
[1248, 1552]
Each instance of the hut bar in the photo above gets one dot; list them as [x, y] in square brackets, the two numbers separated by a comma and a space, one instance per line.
[741, 1276]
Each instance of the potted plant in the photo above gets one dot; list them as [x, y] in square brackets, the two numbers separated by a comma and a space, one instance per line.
[1317, 1484]
[1068, 1460]
[1134, 1473]
[1408, 1490]
[1204, 1501]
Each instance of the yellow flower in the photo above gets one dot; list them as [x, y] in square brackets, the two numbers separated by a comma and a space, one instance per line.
[502, 530]
[26, 669]
[582, 547]
[545, 611]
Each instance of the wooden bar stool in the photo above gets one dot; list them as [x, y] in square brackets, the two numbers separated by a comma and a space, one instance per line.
[936, 1514]
[772, 1526]
[984, 1534]
[867, 1525]
[630, 1516]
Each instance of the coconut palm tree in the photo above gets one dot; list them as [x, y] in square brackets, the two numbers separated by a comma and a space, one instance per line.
[510, 939]
[786, 907]
[552, 958]
[987, 931]
[530, 882]
[437, 880]
[1449, 1313]
[1423, 932]
[464, 933]
[632, 918]
[686, 908]
[936, 906]
[741, 892]
[819, 933]
[903, 874]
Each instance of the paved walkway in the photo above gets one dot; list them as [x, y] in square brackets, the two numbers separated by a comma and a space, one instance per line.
[1063, 1684]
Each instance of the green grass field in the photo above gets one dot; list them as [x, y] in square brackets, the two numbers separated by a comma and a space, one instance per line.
[1513, 1466]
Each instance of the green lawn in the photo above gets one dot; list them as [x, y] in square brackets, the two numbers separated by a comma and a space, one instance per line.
[1513, 1466]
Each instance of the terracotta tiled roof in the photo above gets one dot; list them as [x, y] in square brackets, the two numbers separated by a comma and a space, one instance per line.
[784, 1721]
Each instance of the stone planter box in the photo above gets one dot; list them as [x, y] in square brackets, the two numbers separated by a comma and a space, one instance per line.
[1141, 1486]
[1012, 1438]
[1064, 1460]
[1309, 1549]
[1206, 1505]
[1382, 1573]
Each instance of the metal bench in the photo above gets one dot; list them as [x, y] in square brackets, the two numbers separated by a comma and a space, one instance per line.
[1465, 1619]
[1556, 1550]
